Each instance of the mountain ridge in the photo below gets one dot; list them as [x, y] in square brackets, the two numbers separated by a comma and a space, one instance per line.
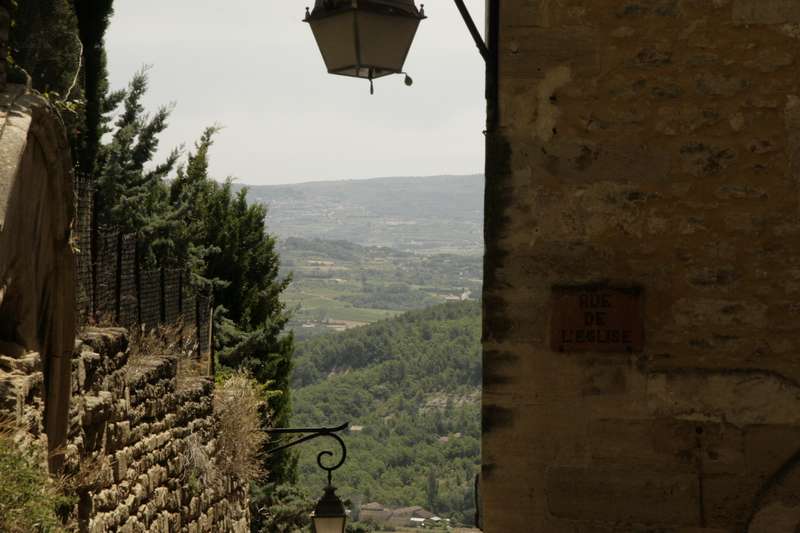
[238, 185]
[432, 214]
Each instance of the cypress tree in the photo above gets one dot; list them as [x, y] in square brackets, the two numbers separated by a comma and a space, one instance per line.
[93, 19]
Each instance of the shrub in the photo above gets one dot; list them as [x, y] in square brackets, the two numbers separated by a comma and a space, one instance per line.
[238, 400]
[28, 497]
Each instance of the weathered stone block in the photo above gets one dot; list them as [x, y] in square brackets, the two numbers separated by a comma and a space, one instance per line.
[766, 11]
[623, 495]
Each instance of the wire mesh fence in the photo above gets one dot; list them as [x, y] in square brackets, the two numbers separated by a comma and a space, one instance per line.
[114, 287]
[82, 246]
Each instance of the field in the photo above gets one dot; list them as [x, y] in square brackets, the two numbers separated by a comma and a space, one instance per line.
[339, 285]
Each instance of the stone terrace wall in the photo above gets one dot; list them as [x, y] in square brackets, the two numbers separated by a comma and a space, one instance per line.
[134, 428]
[651, 145]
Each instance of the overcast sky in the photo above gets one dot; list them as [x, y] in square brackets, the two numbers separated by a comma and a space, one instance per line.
[254, 67]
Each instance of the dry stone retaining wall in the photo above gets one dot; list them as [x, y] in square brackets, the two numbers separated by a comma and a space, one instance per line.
[141, 429]
[139, 440]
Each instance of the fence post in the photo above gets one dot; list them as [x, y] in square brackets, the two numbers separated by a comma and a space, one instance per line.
[197, 319]
[211, 362]
[118, 281]
[180, 293]
[93, 259]
[137, 274]
[162, 308]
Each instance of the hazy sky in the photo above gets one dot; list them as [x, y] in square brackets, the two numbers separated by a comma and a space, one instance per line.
[254, 67]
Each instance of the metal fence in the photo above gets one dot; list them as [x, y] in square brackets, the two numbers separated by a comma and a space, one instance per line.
[114, 287]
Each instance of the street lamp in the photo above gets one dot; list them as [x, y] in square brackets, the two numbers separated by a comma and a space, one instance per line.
[329, 515]
[370, 39]
[365, 39]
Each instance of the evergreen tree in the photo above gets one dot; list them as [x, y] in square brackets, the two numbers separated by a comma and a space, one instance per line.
[93, 20]
[59, 45]
[45, 44]
[432, 492]
[280, 509]
[128, 197]
[225, 240]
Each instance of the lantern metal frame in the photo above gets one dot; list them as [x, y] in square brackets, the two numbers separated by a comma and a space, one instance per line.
[355, 7]
[324, 9]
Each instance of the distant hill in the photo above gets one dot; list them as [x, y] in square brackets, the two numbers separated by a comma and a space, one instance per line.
[410, 387]
[436, 214]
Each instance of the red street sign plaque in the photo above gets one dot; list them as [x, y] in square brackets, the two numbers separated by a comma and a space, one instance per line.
[596, 319]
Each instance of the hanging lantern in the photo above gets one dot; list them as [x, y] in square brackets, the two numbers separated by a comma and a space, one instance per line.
[329, 515]
[365, 39]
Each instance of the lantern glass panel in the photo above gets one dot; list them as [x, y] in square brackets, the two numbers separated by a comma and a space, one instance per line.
[385, 41]
[329, 524]
[336, 39]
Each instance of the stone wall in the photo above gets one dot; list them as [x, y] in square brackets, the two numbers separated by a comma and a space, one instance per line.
[649, 145]
[140, 440]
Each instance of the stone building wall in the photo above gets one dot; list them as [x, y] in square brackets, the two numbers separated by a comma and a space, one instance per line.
[653, 147]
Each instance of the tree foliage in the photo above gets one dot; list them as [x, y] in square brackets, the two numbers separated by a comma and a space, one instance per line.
[413, 385]
[59, 46]
[130, 196]
[94, 17]
[46, 45]
[184, 218]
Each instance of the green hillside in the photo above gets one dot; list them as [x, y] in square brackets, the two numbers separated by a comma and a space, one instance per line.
[411, 387]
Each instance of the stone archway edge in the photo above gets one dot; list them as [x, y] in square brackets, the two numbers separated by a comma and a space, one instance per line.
[37, 293]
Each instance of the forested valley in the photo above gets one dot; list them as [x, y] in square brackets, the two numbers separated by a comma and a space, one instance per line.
[410, 387]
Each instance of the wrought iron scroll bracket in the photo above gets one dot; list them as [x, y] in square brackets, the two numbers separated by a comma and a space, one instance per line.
[307, 434]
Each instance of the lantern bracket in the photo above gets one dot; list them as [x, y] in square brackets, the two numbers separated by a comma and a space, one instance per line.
[473, 30]
[308, 434]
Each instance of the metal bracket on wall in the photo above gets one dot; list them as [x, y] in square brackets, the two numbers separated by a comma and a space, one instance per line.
[473, 30]
[310, 434]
